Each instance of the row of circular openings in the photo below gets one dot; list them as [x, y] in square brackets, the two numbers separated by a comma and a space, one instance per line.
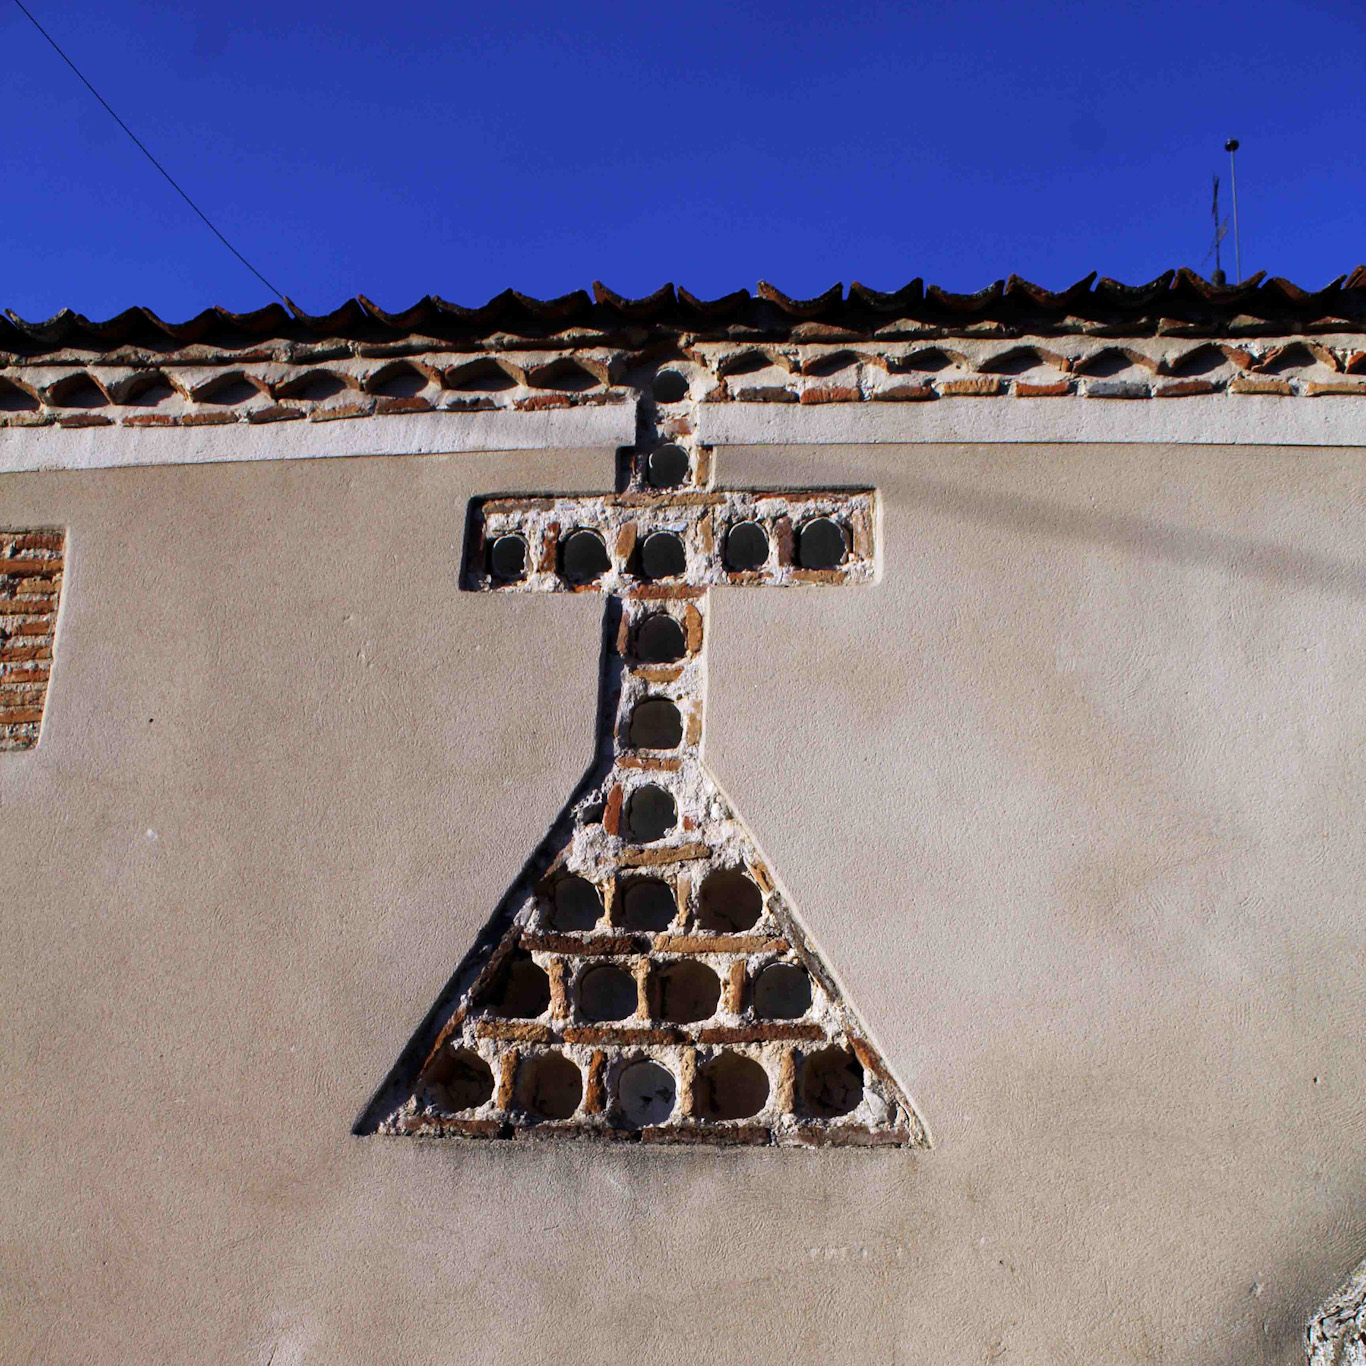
[728, 902]
[728, 1086]
[582, 557]
[821, 543]
[687, 991]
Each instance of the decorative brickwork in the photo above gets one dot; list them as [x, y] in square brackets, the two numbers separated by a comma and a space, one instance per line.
[647, 978]
[287, 382]
[31, 566]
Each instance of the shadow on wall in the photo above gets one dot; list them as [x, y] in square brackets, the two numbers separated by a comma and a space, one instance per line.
[1178, 545]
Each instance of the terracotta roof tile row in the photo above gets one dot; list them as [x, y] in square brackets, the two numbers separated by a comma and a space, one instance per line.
[1176, 300]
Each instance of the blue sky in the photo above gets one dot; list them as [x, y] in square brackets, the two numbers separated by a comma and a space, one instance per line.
[457, 150]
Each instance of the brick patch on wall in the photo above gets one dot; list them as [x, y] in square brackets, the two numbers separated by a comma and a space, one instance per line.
[31, 566]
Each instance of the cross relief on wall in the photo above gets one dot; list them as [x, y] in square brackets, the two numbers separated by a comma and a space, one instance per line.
[646, 978]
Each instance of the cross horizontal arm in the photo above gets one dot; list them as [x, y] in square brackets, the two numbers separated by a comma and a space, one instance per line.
[674, 545]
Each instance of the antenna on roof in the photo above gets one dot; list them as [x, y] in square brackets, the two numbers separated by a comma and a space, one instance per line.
[1220, 232]
[1231, 146]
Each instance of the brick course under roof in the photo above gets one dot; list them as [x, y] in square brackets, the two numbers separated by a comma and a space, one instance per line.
[1178, 336]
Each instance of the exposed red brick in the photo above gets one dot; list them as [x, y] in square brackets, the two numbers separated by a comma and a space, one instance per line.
[85, 420]
[538, 402]
[785, 540]
[664, 673]
[649, 765]
[591, 945]
[1058, 389]
[595, 1088]
[786, 1092]
[507, 1079]
[765, 393]
[605, 1034]
[692, 622]
[207, 419]
[514, 1031]
[1186, 388]
[411, 403]
[611, 812]
[31, 671]
[765, 1033]
[903, 393]
[736, 981]
[831, 576]
[719, 943]
[1316, 389]
[37, 540]
[276, 413]
[151, 420]
[14, 715]
[1278, 388]
[341, 411]
[15, 567]
[831, 393]
[647, 989]
[983, 387]
[28, 566]
[559, 997]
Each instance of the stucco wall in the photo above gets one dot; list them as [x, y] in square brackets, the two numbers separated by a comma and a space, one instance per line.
[1071, 800]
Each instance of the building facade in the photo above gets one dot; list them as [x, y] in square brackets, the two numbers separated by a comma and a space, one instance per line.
[979, 982]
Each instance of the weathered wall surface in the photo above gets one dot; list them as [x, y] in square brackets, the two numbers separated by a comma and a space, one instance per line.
[1070, 800]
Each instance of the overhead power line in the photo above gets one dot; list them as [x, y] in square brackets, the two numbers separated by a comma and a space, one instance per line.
[170, 179]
